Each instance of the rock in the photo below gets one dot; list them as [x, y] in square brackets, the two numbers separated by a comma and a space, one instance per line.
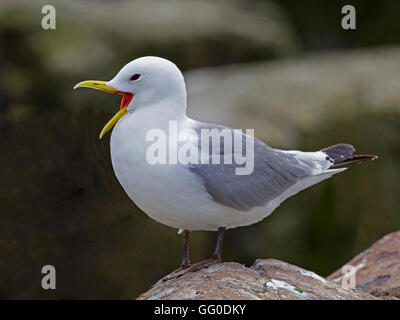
[267, 279]
[378, 268]
[377, 277]
[282, 99]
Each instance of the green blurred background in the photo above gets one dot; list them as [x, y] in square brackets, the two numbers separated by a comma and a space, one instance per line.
[285, 68]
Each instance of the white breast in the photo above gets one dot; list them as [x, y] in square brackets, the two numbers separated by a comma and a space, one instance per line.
[168, 193]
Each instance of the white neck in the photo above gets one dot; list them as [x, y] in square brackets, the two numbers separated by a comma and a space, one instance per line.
[172, 96]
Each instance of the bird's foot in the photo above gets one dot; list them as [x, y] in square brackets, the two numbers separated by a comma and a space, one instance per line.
[200, 265]
[173, 274]
[188, 268]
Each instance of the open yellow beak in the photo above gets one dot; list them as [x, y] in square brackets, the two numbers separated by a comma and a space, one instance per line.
[101, 85]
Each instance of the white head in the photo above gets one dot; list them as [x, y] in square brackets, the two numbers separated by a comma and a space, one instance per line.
[144, 82]
[150, 80]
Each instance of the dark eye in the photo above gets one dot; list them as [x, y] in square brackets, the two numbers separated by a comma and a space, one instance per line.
[135, 76]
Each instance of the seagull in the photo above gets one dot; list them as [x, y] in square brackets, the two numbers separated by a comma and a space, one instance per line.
[200, 195]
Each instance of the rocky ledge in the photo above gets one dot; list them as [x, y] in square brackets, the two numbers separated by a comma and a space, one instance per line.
[373, 274]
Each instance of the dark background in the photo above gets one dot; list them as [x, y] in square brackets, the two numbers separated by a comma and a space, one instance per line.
[60, 202]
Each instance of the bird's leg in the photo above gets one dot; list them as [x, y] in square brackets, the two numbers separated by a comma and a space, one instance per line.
[185, 257]
[186, 266]
[216, 256]
[218, 247]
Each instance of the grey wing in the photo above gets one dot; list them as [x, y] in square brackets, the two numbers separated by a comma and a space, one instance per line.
[274, 172]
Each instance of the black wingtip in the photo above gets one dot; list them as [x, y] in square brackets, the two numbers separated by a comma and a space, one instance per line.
[342, 154]
[355, 159]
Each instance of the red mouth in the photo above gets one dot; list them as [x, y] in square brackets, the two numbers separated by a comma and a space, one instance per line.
[126, 99]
